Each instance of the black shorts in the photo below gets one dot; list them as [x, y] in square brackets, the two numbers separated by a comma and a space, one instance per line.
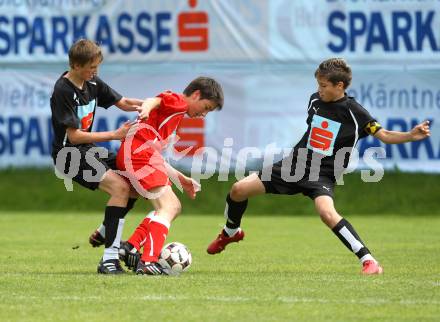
[324, 186]
[85, 166]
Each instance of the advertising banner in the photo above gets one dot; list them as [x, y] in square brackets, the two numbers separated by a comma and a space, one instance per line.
[380, 32]
[263, 114]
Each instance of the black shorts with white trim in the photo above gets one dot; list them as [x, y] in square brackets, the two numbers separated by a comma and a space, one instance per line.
[322, 186]
[84, 164]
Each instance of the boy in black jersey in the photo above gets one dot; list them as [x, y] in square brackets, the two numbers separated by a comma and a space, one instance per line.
[335, 124]
[75, 97]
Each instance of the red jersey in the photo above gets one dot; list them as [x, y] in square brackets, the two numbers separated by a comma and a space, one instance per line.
[164, 120]
[144, 162]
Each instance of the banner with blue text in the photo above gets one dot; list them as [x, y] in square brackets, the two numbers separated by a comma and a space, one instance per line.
[252, 124]
[392, 32]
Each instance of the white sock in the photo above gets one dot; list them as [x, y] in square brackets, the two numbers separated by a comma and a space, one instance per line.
[151, 214]
[161, 220]
[101, 230]
[113, 251]
[110, 253]
[367, 257]
[231, 231]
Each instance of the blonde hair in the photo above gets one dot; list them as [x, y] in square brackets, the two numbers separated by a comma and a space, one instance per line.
[84, 51]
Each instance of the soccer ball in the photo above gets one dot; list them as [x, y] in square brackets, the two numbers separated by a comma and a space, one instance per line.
[175, 258]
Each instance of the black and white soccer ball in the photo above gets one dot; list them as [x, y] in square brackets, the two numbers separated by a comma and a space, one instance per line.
[175, 258]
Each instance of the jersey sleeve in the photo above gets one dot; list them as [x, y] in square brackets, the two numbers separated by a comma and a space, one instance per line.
[63, 108]
[373, 127]
[363, 119]
[172, 103]
[106, 95]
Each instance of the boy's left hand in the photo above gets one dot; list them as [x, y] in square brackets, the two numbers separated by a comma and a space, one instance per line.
[420, 131]
[190, 186]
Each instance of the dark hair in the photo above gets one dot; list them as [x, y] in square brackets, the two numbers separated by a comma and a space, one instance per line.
[84, 51]
[335, 70]
[209, 89]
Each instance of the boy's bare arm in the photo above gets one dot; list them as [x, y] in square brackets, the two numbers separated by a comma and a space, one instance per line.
[129, 104]
[419, 132]
[147, 106]
[76, 136]
[189, 185]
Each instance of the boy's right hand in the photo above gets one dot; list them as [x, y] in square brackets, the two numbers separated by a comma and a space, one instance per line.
[189, 185]
[122, 131]
[143, 113]
[147, 106]
[420, 131]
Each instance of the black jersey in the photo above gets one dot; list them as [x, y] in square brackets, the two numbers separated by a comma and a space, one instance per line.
[75, 108]
[332, 126]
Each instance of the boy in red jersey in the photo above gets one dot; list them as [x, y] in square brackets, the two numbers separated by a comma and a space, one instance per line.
[140, 159]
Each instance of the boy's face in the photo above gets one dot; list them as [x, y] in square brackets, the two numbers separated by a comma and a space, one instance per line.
[329, 92]
[88, 71]
[199, 107]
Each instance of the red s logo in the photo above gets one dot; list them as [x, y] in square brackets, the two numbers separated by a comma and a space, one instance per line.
[190, 133]
[321, 138]
[86, 121]
[193, 30]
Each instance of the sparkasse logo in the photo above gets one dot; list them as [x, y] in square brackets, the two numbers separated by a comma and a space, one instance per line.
[193, 29]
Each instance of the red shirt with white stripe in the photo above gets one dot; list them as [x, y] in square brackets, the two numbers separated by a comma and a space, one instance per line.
[164, 120]
[142, 160]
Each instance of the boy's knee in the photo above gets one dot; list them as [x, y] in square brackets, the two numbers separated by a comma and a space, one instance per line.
[121, 189]
[173, 208]
[329, 217]
[325, 215]
[238, 192]
[177, 208]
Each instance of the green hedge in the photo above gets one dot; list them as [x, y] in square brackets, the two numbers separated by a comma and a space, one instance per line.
[396, 193]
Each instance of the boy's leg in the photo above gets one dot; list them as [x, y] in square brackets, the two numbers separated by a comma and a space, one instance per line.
[236, 204]
[167, 207]
[119, 190]
[139, 236]
[130, 249]
[346, 233]
[97, 238]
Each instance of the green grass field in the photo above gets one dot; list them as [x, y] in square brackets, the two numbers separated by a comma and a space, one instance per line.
[397, 193]
[286, 269]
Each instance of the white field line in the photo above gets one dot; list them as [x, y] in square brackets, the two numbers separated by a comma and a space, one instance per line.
[235, 299]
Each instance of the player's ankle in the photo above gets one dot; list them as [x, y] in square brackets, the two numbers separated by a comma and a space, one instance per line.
[367, 257]
[229, 232]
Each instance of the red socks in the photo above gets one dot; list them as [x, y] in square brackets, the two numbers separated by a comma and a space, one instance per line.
[151, 235]
[140, 235]
[158, 231]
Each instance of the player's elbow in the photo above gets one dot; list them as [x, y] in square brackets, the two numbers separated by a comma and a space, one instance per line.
[122, 104]
[383, 136]
[74, 137]
[385, 140]
[72, 140]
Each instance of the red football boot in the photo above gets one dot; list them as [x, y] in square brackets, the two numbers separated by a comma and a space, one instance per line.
[219, 244]
[370, 267]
